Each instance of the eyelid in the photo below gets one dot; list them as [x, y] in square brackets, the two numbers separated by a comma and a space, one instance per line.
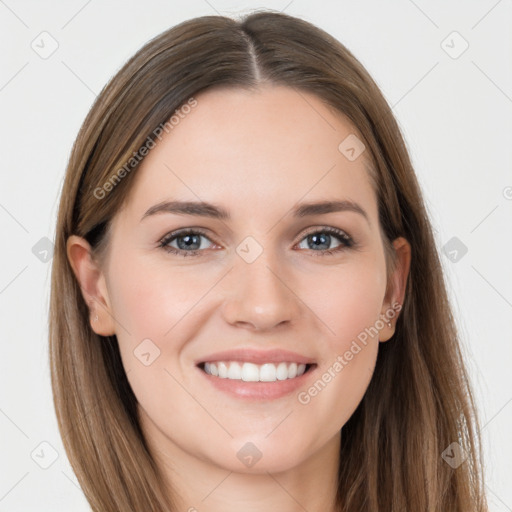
[329, 229]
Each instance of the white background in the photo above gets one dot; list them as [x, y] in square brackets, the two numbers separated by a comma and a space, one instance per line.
[456, 116]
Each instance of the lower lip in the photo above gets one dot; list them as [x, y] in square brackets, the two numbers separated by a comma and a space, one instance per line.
[258, 390]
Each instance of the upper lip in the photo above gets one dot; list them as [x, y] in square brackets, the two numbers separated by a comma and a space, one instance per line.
[256, 356]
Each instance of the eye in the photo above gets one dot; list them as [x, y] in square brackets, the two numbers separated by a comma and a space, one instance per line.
[188, 241]
[321, 239]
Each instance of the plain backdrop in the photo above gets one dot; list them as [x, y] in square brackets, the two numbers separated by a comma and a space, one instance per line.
[444, 67]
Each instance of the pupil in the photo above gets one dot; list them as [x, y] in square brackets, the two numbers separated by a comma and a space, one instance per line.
[189, 240]
[316, 238]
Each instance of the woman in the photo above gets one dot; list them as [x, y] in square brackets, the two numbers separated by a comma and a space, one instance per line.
[248, 309]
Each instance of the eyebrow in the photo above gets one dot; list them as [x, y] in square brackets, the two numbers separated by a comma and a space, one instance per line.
[205, 209]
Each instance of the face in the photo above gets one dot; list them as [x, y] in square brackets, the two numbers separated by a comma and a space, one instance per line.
[261, 294]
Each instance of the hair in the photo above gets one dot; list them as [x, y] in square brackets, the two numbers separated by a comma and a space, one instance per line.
[419, 400]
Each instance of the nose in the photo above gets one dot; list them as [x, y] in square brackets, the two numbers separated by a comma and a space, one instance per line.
[259, 295]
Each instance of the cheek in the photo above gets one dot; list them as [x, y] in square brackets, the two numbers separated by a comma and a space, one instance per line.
[153, 306]
[348, 304]
[149, 300]
[347, 300]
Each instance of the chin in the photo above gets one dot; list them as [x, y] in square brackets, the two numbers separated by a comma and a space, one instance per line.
[265, 465]
[257, 455]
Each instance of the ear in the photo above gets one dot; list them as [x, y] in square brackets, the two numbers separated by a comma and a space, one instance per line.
[93, 285]
[395, 292]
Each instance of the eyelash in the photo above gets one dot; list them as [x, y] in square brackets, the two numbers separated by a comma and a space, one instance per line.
[347, 242]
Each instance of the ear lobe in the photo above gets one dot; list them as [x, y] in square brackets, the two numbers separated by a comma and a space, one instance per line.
[92, 284]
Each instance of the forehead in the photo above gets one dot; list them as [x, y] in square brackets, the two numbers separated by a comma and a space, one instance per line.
[275, 144]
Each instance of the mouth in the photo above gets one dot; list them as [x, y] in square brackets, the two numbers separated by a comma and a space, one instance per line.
[251, 372]
[255, 374]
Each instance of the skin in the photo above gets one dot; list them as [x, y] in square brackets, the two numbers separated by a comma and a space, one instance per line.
[256, 154]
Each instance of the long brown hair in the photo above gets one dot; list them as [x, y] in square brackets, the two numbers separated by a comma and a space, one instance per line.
[419, 401]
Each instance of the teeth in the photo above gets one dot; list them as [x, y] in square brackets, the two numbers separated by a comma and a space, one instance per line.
[223, 369]
[250, 372]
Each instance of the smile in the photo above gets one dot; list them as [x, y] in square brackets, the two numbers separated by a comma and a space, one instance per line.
[254, 374]
[251, 372]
